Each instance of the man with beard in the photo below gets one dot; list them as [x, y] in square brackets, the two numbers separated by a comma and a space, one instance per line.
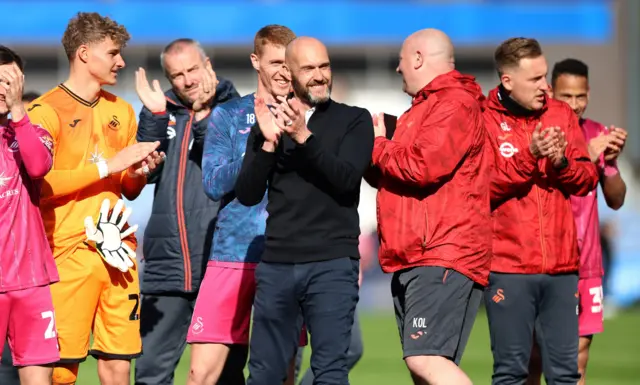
[178, 236]
[312, 175]
[222, 314]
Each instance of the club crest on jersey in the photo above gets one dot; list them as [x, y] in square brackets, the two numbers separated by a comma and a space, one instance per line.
[507, 150]
[48, 143]
[114, 124]
[172, 120]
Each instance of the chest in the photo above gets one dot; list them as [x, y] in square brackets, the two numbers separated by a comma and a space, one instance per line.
[328, 133]
[10, 161]
[514, 135]
[90, 135]
[244, 122]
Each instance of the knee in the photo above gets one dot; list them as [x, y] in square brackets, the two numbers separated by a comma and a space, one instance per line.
[199, 374]
[113, 371]
[65, 374]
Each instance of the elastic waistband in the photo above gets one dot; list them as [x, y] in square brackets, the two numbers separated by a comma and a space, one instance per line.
[233, 265]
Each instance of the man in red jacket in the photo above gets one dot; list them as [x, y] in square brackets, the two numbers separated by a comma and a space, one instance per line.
[534, 268]
[433, 209]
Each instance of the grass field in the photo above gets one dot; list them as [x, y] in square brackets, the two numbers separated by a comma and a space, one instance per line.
[615, 356]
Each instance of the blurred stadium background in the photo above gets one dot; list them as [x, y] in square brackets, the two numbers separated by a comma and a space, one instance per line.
[364, 38]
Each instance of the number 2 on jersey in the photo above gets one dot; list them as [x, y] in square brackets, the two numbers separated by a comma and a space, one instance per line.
[51, 331]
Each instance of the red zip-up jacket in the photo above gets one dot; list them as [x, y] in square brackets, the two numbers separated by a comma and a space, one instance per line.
[433, 198]
[534, 230]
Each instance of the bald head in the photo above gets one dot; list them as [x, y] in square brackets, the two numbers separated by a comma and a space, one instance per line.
[425, 55]
[308, 62]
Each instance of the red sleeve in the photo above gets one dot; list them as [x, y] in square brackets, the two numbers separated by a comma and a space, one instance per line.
[580, 176]
[442, 143]
[36, 147]
[509, 173]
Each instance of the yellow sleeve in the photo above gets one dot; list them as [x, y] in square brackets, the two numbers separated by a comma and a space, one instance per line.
[132, 186]
[60, 182]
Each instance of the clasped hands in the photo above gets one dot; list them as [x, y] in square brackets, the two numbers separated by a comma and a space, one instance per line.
[284, 116]
[549, 143]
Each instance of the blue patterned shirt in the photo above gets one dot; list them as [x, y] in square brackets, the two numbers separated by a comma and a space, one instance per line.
[239, 232]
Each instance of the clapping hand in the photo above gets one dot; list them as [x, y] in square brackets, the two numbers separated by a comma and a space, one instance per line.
[151, 96]
[290, 116]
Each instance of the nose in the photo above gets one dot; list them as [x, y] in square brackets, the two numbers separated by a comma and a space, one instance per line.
[120, 62]
[189, 80]
[398, 69]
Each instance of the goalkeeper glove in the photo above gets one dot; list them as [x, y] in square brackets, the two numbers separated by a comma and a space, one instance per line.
[107, 236]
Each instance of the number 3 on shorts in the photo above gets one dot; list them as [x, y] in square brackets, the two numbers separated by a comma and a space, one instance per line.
[597, 294]
[134, 316]
[51, 330]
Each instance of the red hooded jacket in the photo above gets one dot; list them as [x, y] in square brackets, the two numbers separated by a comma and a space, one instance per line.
[533, 226]
[433, 198]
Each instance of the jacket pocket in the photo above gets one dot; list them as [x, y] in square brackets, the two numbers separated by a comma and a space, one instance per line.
[402, 225]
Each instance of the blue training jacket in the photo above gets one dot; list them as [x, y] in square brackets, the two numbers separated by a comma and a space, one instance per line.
[239, 231]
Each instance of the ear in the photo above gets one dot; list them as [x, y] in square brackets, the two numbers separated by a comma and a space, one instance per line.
[418, 60]
[83, 53]
[255, 61]
[506, 81]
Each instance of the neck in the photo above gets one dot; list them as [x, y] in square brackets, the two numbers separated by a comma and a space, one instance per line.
[511, 104]
[262, 92]
[4, 120]
[83, 84]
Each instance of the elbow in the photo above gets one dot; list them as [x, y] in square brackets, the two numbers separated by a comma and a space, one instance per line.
[130, 195]
[39, 170]
[213, 193]
[247, 200]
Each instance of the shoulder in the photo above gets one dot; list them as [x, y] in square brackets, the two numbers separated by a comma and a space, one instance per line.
[348, 112]
[112, 101]
[558, 108]
[237, 106]
[50, 102]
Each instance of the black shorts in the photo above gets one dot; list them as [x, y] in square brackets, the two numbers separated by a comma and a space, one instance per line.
[435, 310]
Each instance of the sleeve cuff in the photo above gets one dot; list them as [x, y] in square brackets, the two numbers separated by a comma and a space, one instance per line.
[19, 124]
[311, 148]
[378, 145]
[159, 113]
[611, 168]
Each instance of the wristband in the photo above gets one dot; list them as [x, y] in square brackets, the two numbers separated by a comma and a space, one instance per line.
[103, 169]
[611, 168]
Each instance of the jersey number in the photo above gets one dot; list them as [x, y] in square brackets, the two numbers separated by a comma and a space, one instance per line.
[134, 313]
[251, 119]
[597, 294]
[50, 332]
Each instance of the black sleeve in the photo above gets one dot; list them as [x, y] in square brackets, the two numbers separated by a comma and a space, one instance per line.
[152, 127]
[257, 165]
[344, 171]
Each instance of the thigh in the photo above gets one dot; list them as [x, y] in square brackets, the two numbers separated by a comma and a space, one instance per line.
[116, 331]
[510, 302]
[328, 306]
[32, 328]
[75, 298]
[591, 307]
[164, 320]
[557, 329]
[471, 311]
[276, 324]
[435, 304]
[222, 313]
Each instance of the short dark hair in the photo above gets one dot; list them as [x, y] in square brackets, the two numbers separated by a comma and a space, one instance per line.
[8, 56]
[569, 67]
[30, 96]
[511, 51]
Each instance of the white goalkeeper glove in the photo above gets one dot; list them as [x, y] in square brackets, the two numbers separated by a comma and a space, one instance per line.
[107, 236]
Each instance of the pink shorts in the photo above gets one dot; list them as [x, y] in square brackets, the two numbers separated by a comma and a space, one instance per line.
[222, 313]
[27, 322]
[590, 314]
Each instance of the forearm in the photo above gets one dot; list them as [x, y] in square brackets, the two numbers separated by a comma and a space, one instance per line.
[372, 177]
[251, 184]
[579, 177]
[36, 156]
[614, 189]
[132, 185]
[59, 183]
[153, 127]
[220, 180]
